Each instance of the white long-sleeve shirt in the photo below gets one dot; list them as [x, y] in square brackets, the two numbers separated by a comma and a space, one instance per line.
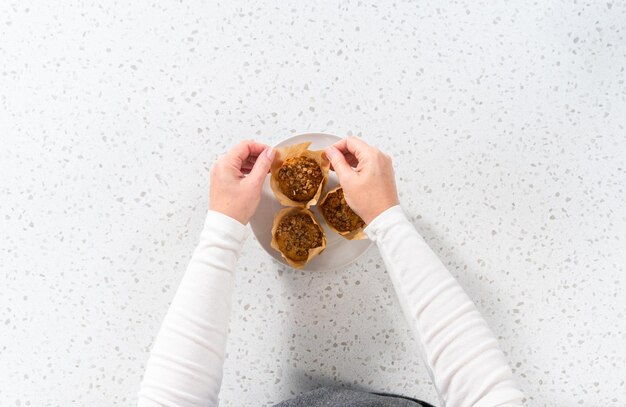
[462, 355]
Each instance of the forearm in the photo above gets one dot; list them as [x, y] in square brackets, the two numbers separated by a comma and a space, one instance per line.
[185, 366]
[461, 352]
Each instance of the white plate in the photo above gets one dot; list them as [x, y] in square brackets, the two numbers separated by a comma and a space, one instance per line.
[339, 252]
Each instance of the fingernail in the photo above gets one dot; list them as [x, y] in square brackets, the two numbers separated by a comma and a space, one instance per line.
[331, 152]
[270, 152]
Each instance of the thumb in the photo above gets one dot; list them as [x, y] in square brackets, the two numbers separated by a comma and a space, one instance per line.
[262, 166]
[338, 160]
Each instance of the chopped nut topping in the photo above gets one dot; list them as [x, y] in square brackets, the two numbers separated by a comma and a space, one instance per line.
[299, 178]
[296, 234]
[337, 213]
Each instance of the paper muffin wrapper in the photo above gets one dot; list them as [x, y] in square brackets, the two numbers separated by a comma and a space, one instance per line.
[312, 252]
[298, 150]
[357, 234]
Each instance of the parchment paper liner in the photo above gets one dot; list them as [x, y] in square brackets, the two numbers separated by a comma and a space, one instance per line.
[312, 252]
[297, 150]
[357, 234]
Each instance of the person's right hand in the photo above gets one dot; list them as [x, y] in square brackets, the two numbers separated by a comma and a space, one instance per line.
[366, 175]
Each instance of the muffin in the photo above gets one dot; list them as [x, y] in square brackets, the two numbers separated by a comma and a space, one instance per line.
[299, 178]
[340, 217]
[298, 236]
[298, 175]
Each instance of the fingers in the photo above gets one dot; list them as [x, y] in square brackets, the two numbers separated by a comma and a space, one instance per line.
[354, 150]
[262, 166]
[354, 146]
[350, 159]
[244, 150]
[248, 164]
[339, 163]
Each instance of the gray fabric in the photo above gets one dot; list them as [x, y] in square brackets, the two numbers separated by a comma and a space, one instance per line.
[332, 397]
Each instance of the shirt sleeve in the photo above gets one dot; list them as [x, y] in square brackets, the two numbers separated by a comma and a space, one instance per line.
[460, 351]
[185, 365]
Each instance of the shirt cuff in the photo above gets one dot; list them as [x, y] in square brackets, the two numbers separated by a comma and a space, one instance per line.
[227, 225]
[384, 221]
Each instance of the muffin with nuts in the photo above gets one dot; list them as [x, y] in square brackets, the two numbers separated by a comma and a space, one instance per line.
[298, 175]
[298, 236]
[340, 217]
[299, 178]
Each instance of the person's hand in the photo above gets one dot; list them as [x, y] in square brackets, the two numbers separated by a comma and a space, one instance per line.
[237, 178]
[366, 175]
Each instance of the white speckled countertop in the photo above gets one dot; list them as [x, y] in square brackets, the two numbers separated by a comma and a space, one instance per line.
[507, 122]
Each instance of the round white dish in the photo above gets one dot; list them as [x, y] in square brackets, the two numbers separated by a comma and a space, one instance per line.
[339, 252]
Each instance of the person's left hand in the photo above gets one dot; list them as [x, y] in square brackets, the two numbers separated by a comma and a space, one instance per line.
[234, 193]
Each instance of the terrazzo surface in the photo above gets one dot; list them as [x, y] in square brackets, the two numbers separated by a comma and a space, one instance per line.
[506, 121]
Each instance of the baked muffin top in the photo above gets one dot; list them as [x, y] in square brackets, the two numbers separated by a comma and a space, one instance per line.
[299, 178]
[296, 234]
[338, 214]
